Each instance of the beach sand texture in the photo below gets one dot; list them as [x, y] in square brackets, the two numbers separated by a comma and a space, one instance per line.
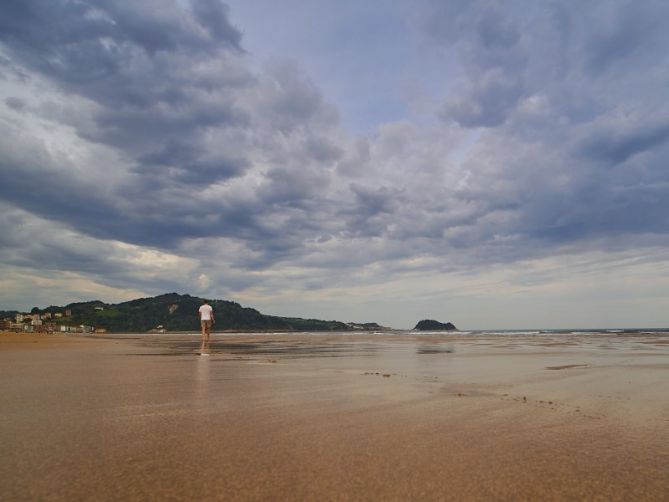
[335, 417]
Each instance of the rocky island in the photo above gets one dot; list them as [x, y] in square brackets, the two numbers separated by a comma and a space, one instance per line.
[432, 325]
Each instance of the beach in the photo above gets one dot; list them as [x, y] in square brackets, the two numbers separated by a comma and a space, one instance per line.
[388, 416]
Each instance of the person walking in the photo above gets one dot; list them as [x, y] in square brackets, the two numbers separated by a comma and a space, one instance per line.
[206, 322]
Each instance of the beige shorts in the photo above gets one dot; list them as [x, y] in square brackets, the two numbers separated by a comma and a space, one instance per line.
[206, 324]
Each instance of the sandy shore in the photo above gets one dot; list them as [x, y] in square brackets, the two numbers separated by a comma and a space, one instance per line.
[307, 417]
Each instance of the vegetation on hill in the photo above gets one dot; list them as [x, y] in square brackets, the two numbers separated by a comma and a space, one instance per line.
[175, 312]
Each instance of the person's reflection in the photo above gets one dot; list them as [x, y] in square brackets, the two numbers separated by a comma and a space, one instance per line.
[205, 350]
[201, 379]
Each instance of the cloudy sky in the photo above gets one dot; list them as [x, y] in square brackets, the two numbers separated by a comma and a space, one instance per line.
[498, 164]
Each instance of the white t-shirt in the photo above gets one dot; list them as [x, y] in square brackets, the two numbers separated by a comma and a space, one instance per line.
[205, 312]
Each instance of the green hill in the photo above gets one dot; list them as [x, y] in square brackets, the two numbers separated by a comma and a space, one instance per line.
[176, 312]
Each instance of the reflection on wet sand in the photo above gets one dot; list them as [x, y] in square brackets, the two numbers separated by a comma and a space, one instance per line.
[205, 347]
[201, 379]
[294, 417]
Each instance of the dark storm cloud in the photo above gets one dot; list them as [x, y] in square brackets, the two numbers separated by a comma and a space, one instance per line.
[624, 36]
[213, 15]
[614, 147]
[140, 129]
[144, 123]
[142, 209]
[36, 244]
[90, 46]
[291, 102]
[489, 39]
[510, 51]
[144, 65]
[15, 103]
[487, 103]
[372, 210]
[168, 90]
[574, 106]
[188, 164]
[164, 83]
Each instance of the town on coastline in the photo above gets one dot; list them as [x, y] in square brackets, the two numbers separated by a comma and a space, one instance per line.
[47, 322]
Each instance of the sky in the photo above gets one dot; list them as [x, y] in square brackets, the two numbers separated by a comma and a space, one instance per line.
[496, 164]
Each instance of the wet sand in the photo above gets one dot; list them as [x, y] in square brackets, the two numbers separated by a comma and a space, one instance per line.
[335, 417]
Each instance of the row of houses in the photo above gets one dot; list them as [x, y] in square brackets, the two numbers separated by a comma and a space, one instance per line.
[36, 318]
[47, 327]
[44, 323]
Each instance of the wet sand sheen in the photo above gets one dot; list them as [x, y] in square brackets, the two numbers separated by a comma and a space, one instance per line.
[300, 417]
